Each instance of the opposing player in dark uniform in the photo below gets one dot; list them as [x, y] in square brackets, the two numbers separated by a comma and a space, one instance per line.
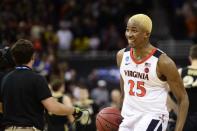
[189, 75]
[57, 122]
[86, 103]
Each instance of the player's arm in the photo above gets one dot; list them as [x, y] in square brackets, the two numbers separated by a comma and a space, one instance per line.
[170, 101]
[171, 104]
[57, 108]
[43, 94]
[61, 109]
[168, 69]
[119, 56]
[67, 101]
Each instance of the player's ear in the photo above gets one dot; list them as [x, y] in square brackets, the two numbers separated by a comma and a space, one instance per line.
[33, 56]
[146, 34]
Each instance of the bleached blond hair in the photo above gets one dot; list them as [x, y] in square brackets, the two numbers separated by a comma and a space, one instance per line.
[143, 20]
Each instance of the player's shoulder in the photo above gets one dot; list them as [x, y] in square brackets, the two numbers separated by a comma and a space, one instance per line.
[120, 54]
[121, 51]
[158, 53]
[164, 59]
[166, 66]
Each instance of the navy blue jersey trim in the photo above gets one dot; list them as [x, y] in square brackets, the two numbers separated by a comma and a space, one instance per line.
[127, 49]
[160, 127]
[152, 125]
[157, 53]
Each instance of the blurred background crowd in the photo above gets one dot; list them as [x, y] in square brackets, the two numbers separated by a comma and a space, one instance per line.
[76, 40]
[82, 25]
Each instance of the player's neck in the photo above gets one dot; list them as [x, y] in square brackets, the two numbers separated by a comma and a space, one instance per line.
[141, 52]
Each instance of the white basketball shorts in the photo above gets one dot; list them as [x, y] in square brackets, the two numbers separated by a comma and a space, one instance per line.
[144, 122]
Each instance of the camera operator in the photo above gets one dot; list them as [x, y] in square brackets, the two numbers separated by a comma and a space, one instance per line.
[6, 62]
[25, 95]
[6, 65]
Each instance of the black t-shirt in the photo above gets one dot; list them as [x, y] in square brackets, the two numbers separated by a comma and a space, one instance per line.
[1, 115]
[189, 76]
[22, 91]
[1, 76]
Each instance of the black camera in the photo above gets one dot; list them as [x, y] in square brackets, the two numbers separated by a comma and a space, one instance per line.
[6, 61]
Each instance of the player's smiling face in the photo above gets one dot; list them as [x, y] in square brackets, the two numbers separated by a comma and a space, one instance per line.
[134, 34]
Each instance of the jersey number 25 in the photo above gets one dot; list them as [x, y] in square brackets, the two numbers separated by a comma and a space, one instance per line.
[139, 91]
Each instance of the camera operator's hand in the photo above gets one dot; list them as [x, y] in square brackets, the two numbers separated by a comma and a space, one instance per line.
[80, 114]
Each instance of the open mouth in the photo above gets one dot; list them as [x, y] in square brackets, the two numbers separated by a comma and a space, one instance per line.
[131, 40]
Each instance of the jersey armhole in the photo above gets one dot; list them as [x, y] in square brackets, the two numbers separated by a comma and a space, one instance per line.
[157, 54]
[162, 81]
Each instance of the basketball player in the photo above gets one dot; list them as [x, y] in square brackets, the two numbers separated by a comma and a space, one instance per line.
[57, 122]
[146, 72]
[24, 94]
[189, 75]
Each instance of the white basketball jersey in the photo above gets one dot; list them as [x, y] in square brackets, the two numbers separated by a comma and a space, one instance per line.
[143, 91]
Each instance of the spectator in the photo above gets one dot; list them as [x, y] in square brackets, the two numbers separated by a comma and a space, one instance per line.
[65, 36]
[100, 94]
[116, 99]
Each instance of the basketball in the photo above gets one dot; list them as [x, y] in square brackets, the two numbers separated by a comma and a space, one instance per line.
[108, 119]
